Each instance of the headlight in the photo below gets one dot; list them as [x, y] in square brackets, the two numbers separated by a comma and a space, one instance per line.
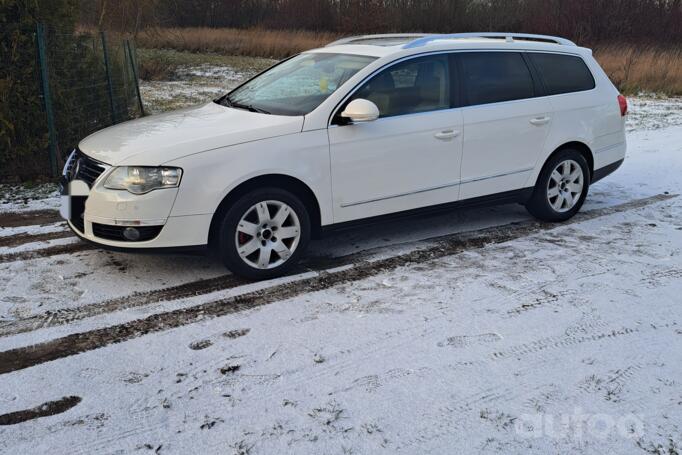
[140, 180]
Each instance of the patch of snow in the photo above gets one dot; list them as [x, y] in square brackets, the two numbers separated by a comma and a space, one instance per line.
[461, 354]
[33, 230]
[192, 85]
[34, 286]
[18, 198]
[133, 313]
[649, 112]
[565, 341]
[223, 73]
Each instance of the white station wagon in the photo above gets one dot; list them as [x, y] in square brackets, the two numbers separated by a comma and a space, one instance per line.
[363, 128]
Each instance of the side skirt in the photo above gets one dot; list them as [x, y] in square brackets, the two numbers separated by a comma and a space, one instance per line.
[508, 197]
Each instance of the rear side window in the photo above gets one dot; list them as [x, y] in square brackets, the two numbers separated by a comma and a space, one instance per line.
[563, 73]
[492, 77]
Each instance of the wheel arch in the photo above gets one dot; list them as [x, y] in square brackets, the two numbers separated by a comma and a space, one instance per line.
[581, 147]
[282, 181]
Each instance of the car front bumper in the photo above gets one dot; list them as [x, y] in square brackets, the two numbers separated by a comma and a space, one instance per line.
[100, 215]
[182, 232]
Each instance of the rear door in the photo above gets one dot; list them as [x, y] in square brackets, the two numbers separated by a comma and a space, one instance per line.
[505, 122]
[581, 111]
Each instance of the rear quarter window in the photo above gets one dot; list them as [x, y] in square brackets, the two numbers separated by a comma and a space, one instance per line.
[493, 77]
[563, 73]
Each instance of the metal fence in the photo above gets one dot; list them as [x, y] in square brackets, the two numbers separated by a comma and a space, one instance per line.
[81, 81]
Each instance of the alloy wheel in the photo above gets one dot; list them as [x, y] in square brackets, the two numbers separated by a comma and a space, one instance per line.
[565, 186]
[267, 234]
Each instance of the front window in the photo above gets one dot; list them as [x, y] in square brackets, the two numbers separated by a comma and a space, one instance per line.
[297, 86]
[417, 85]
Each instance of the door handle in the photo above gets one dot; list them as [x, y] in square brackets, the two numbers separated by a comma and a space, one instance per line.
[445, 135]
[539, 121]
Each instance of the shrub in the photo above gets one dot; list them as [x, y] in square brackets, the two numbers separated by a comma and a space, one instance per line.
[78, 85]
[23, 136]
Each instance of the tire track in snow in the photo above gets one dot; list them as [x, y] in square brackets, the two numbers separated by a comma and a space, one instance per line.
[25, 357]
[559, 342]
[44, 410]
[139, 299]
[228, 281]
[662, 277]
[29, 218]
[46, 252]
[22, 239]
[449, 417]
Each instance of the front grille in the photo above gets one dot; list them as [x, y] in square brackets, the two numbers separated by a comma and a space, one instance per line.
[105, 231]
[82, 167]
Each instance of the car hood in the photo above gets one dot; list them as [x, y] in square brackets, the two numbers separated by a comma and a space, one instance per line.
[157, 139]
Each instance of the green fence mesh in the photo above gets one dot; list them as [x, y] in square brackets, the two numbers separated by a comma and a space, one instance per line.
[23, 127]
[87, 79]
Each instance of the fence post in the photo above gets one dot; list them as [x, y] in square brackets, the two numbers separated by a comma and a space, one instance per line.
[110, 84]
[127, 74]
[133, 65]
[47, 98]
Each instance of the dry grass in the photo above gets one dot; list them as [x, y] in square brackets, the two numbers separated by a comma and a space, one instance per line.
[631, 68]
[154, 69]
[634, 69]
[249, 42]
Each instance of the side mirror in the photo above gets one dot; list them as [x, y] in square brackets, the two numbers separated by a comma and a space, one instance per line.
[361, 110]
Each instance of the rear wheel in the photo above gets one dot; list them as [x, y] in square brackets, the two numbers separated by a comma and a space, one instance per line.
[561, 188]
[264, 233]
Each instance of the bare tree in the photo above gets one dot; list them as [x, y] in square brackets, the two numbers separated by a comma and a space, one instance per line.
[583, 20]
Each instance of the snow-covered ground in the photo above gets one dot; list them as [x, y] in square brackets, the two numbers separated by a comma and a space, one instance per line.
[480, 331]
[197, 84]
[39, 197]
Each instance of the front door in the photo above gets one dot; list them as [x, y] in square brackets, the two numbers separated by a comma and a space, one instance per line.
[408, 158]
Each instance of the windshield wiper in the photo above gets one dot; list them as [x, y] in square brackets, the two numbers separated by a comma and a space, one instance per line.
[249, 107]
[224, 101]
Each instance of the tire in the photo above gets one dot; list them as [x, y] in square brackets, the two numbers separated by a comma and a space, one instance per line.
[556, 196]
[263, 216]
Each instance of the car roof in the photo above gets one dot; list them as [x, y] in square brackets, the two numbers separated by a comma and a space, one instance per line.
[411, 43]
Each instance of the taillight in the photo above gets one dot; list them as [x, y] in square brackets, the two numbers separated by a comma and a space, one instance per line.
[623, 103]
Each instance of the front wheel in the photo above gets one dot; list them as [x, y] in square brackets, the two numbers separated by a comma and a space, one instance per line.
[561, 188]
[264, 233]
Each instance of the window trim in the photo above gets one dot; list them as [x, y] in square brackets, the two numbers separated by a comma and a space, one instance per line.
[455, 71]
[539, 87]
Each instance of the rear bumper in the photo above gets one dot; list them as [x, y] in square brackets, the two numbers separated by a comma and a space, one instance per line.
[606, 170]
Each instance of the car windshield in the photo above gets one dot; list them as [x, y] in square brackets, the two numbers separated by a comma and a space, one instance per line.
[296, 86]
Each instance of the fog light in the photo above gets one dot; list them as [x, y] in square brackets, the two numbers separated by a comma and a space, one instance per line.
[131, 234]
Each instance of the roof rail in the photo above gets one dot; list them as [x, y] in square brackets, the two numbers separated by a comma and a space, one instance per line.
[387, 36]
[509, 37]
